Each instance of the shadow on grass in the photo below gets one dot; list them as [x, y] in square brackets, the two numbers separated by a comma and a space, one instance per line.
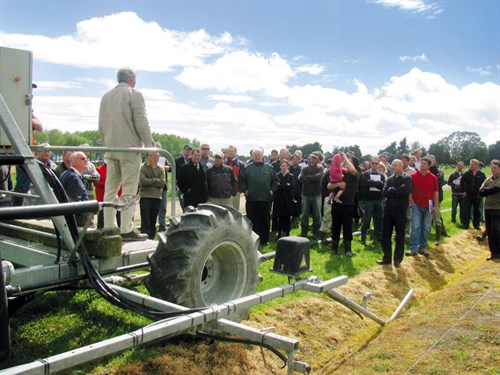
[340, 265]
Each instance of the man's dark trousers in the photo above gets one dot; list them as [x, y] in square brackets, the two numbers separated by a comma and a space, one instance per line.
[394, 217]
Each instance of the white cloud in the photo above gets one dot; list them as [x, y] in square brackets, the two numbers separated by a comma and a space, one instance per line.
[231, 98]
[92, 45]
[351, 60]
[56, 85]
[486, 71]
[67, 113]
[241, 72]
[418, 105]
[246, 98]
[428, 8]
[492, 137]
[314, 69]
[421, 57]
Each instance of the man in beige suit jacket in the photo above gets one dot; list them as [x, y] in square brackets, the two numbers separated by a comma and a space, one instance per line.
[123, 122]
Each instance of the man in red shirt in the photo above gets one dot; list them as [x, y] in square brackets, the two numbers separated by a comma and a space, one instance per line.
[424, 201]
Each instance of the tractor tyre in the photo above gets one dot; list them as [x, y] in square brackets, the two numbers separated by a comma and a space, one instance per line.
[209, 257]
[4, 320]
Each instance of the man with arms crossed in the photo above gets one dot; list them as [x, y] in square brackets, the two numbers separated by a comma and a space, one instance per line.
[396, 191]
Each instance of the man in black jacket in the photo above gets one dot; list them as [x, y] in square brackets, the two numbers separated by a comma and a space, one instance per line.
[470, 184]
[373, 201]
[179, 162]
[396, 191]
[310, 177]
[192, 181]
[457, 195]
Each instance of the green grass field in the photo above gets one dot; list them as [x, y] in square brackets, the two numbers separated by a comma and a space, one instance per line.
[59, 321]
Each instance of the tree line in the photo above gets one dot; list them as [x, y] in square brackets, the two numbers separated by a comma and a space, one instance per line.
[170, 142]
[458, 146]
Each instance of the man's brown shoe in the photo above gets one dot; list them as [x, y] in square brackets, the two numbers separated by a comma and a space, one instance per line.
[134, 236]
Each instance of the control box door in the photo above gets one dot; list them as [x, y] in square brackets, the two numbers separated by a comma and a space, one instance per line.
[16, 89]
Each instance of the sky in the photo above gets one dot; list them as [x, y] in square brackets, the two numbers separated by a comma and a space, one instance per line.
[270, 73]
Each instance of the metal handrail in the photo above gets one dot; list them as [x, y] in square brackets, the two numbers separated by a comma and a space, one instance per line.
[168, 156]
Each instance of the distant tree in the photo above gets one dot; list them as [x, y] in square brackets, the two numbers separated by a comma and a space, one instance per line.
[93, 137]
[494, 151]
[366, 157]
[392, 150]
[416, 145]
[464, 146]
[74, 139]
[169, 142]
[396, 151]
[306, 149]
[173, 143]
[355, 148]
[53, 136]
[41, 137]
[403, 147]
[440, 151]
[481, 154]
[292, 148]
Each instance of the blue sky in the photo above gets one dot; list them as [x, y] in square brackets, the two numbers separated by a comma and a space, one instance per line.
[270, 73]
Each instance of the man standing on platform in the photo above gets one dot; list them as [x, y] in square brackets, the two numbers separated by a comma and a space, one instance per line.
[123, 122]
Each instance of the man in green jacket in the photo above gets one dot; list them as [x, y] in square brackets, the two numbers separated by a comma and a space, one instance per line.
[258, 182]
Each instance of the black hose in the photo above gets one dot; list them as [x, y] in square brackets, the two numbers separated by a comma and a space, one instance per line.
[62, 197]
[245, 341]
[95, 279]
[6, 176]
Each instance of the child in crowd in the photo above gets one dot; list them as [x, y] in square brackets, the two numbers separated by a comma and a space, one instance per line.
[336, 175]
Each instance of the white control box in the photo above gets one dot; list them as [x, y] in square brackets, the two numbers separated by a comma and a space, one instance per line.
[16, 89]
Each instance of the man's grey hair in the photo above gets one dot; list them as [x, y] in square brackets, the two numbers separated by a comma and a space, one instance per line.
[76, 155]
[125, 74]
[397, 162]
[260, 149]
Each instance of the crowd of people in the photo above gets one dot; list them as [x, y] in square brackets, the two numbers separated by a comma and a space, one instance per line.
[338, 194]
[320, 194]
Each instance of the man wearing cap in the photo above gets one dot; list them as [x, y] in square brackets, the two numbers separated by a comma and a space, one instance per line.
[310, 177]
[123, 123]
[221, 183]
[179, 162]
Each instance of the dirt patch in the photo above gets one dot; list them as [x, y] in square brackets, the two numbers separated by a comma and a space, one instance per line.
[450, 326]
